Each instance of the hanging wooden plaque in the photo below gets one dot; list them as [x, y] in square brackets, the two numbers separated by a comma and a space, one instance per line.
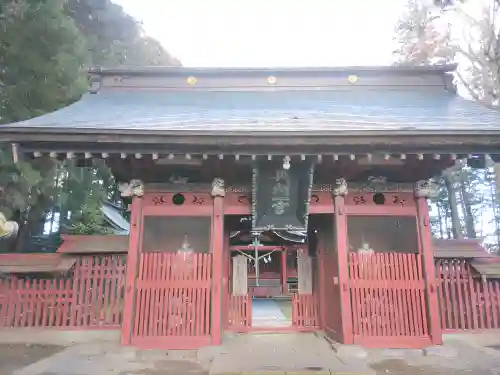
[280, 197]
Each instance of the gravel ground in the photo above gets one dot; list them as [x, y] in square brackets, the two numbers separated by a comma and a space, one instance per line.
[16, 356]
[400, 367]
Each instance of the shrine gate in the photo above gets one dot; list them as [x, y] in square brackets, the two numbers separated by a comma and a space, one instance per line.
[342, 244]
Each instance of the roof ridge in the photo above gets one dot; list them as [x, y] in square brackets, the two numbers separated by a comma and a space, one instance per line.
[152, 70]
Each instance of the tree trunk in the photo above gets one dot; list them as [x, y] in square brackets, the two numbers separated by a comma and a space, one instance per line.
[455, 218]
[470, 229]
[496, 202]
[440, 220]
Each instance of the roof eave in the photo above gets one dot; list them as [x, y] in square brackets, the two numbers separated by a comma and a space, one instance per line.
[454, 141]
[409, 131]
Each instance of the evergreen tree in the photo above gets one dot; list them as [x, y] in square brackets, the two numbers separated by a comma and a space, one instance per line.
[45, 46]
[462, 201]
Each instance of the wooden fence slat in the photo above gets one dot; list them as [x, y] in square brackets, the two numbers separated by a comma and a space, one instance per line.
[397, 304]
[173, 295]
[83, 298]
[466, 302]
[389, 292]
[491, 305]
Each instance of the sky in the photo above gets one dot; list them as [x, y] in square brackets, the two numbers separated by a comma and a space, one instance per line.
[284, 33]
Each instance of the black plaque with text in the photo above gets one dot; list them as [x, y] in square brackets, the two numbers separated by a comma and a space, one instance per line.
[280, 197]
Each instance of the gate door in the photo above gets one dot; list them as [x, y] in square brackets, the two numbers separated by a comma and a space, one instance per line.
[169, 275]
[388, 300]
[240, 302]
[172, 301]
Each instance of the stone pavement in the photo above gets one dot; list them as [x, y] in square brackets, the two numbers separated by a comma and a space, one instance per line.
[266, 313]
[109, 358]
[312, 354]
[296, 354]
[291, 352]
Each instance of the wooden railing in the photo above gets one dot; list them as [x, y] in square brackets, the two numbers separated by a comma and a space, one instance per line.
[466, 302]
[90, 296]
[172, 297]
[240, 313]
[305, 311]
[387, 295]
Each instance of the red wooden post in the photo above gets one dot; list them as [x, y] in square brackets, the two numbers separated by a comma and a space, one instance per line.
[218, 193]
[132, 266]
[340, 230]
[427, 251]
[283, 272]
[322, 289]
[225, 278]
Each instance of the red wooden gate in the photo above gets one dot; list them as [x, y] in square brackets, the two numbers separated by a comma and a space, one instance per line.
[172, 301]
[331, 317]
[239, 314]
[388, 300]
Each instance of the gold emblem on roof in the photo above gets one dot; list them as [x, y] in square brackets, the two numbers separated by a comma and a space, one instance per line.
[352, 78]
[192, 80]
[271, 80]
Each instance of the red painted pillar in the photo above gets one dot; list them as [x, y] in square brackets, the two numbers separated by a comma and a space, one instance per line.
[217, 250]
[226, 259]
[428, 266]
[322, 280]
[134, 246]
[283, 272]
[340, 230]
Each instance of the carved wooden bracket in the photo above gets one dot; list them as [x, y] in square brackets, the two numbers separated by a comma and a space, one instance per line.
[340, 188]
[425, 189]
[218, 189]
[133, 188]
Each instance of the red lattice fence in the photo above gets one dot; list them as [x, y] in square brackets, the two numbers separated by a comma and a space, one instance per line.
[466, 302]
[91, 296]
[305, 311]
[239, 313]
[173, 300]
[387, 297]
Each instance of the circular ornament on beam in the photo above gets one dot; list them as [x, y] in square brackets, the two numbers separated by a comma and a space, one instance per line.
[353, 78]
[191, 80]
[272, 80]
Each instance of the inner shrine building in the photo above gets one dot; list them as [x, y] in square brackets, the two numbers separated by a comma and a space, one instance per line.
[273, 199]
